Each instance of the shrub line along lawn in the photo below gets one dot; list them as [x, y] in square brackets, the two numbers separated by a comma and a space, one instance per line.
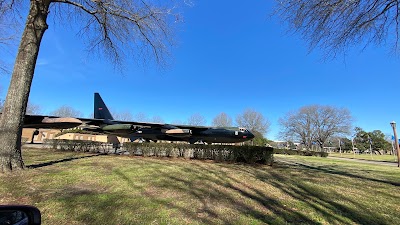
[381, 158]
[77, 188]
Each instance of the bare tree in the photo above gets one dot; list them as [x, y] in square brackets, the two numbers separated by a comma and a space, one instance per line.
[33, 109]
[254, 121]
[140, 117]
[316, 124]
[115, 28]
[178, 122]
[123, 116]
[157, 119]
[336, 25]
[222, 120]
[66, 111]
[197, 120]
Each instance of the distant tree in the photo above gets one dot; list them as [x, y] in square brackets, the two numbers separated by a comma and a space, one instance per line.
[361, 141]
[197, 120]
[376, 139]
[259, 139]
[140, 117]
[66, 111]
[336, 25]
[222, 120]
[157, 119]
[315, 124]
[123, 116]
[33, 109]
[254, 121]
[117, 28]
[345, 144]
[178, 122]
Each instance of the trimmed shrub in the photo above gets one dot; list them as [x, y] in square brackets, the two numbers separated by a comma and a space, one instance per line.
[299, 152]
[74, 145]
[220, 153]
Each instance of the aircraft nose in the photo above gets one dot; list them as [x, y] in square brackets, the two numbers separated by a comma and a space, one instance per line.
[250, 135]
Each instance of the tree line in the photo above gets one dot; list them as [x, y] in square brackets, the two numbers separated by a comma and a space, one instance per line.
[144, 30]
[312, 125]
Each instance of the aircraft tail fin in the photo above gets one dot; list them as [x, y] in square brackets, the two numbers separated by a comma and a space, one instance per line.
[100, 109]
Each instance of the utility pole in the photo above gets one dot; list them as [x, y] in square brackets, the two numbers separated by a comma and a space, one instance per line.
[396, 142]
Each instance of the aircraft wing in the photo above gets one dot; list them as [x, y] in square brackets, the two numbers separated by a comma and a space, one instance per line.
[102, 125]
[50, 122]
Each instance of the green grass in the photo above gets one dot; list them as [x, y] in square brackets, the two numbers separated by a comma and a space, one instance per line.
[71, 188]
[383, 158]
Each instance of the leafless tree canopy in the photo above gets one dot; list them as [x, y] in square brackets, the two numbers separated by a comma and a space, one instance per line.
[315, 123]
[123, 116]
[337, 24]
[66, 111]
[120, 28]
[197, 120]
[222, 120]
[254, 121]
[141, 117]
[157, 119]
[178, 122]
[33, 109]
[9, 31]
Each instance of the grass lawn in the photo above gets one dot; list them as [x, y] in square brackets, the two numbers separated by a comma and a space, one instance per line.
[384, 158]
[73, 188]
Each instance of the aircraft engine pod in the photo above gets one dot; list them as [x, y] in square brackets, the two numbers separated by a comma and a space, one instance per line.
[179, 132]
[115, 127]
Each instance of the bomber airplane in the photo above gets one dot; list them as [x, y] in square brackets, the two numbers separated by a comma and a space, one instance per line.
[104, 122]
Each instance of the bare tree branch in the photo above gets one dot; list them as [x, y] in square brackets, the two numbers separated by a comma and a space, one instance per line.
[336, 25]
[122, 28]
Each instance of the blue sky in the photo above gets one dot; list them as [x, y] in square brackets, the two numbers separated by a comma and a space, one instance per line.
[229, 57]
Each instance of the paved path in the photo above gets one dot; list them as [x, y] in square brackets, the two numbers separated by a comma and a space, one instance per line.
[365, 161]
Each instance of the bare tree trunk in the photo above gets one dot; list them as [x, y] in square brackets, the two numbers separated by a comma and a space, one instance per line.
[12, 118]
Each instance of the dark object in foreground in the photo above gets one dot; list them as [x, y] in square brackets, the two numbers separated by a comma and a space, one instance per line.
[19, 215]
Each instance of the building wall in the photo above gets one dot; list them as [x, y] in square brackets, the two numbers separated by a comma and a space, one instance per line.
[43, 134]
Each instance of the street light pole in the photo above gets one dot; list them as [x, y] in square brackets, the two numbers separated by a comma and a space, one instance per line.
[396, 142]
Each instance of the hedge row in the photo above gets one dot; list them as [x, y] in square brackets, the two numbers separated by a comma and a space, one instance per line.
[77, 145]
[299, 152]
[221, 153]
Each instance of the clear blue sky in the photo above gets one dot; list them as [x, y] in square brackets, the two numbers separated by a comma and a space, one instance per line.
[229, 56]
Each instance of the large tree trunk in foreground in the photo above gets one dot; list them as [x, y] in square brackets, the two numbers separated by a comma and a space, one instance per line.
[12, 118]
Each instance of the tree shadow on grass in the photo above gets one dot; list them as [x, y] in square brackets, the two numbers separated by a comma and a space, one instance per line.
[210, 193]
[334, 170]
[34, 166]
[209, 190]
[334, 207]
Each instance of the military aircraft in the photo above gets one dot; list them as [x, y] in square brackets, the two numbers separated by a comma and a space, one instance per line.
[104, 122]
